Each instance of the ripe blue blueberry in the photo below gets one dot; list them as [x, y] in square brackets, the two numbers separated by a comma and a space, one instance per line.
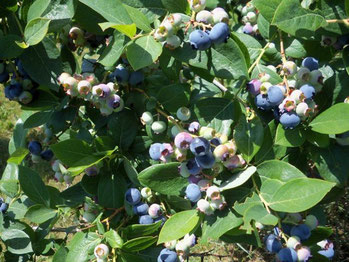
[155, 151]
[121, 74]
[136, 78]
[141, 209]
[247, 29]
[272, 243]
[206, 161]
[167, 255]
[193, 192]
[4, 77]
[194, 127]
[193, 167]
[215, 141]
[47, 154]
[133, 196]
[116, 103]
[289, 120]
[200, 146]
[308, 91]
[3, 206]
[199, 40]
[302, 231]
[160, 218]
[262, 102]
[88, 65]
[92, 171]
[253, 86]
[311, 63]
[8, 94]
[155, 211]
[145, 220]
[275, 95]
[15, 90]
[21, 68]
[219, 33]
[35, 147]
[287, 255]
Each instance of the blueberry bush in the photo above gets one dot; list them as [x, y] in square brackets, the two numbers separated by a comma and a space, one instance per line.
[171, 123]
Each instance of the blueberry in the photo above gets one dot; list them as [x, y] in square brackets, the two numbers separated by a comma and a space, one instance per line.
[21, 68]
[193, 192]
[262, 102]
[275, 95]
[158, 127]
[25, 97]
[155, 151]
[16, 90]
[311, 63]
[253, 86]
[47, 154]
[8, 94]
[308, 91]
[286, 228]
[302, 231]
[221, 153]
[35, 147]
[116, 103]
[141, 209]
[4, 77]
[199, 40]
[160, 218]
[272, 243]
[287, 255]
[167, 255]
[303, 254]
[200, 146]
[206, 161]
[155, 211]
[247, 29]
[289, 120]
[136, 78]
[183, 140]
[101, 252]
[219, 33]
[183, 113]
[194, 127]
[92, 170]
[133, 196]
[215, 141]
[121, 74]
[204, 16]
[88, 65]
[145, 220]
[105, 91]
[3, 207]
[193, 167]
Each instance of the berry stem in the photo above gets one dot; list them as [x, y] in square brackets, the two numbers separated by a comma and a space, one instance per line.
[258, 58]
[284, 60]
[339, 21]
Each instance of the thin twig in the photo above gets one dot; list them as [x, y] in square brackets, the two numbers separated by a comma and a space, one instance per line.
[339, 21]
[219, 85]
[258, 58]
[117, 211]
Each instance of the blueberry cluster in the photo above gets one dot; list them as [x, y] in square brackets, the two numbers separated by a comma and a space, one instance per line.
[102, 96]
[177, 250]
[215, 25]
[20, 87]
[3, 206]
[291, 102]
[61, 173]
[166, 32]
[249, 18]
[147, 214]
[298, 232]
[37, 152]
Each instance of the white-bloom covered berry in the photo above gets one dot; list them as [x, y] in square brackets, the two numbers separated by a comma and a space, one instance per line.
[213, 192]
[172, 42]
[84, 87]
[189, 240]
[56, 165]
[63, 77]
[171, 244]
[59, 177]
[197, 5]
[205, 207]
[101, 251]
[220, 15]
[147, 118]
[204, 16]
[146, 192]
[183, 113]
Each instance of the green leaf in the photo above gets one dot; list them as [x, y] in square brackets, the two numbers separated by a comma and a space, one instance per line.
[37, 119]
[111, 190]
[131, 171]
[71, 151]
[179, 6]
[179, 225]
[347, 7]
[225, 61]
[238, 179]
[81, 245]
[138, 230]
[128, 30]
[267, 8]
[17, 241]
[274, 77]
[292, 18]
[43, 63]
[151, 8]
[332, 121]
[216, 225]
[318, 234]
[138, 244]
[33, 186]
[259, 214]
[289, 137]
[345, 56]
[8, 47]
[123, 128]
[253, 46]
[36, 30]
[113, 51]
[299, 194]
[294, 48]
[275, 169]
[60, 255]
[138, 18]
[18, 156]
[113, 11]
[39, 214]
[9, 181]
[113, 239]
[173, 96]
[143, 52]
[248, 136]
[163, 178]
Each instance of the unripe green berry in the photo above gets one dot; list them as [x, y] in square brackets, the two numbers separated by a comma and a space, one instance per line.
[183, 113]
[147, 118]
[158, 127]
